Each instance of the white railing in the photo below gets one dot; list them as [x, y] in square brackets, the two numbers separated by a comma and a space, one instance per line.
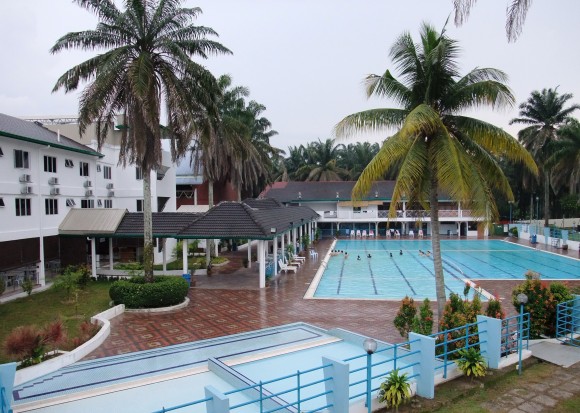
[383, 214]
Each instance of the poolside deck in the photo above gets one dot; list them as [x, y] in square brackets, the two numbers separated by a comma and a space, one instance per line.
[230, 302]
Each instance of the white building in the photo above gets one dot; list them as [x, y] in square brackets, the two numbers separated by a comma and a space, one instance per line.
[44, 171]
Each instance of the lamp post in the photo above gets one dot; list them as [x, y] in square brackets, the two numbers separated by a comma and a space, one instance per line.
[370, 347]
[538, 209]
[522, 299]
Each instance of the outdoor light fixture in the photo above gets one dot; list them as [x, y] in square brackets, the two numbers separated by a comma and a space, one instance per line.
[299, 195]
[337, 195]
[370, 346]
[522, 299]
[376, 194]
[272, 230]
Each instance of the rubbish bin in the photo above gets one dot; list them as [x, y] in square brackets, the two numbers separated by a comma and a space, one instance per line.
[187, 277]
[534, 238]
[448, 232]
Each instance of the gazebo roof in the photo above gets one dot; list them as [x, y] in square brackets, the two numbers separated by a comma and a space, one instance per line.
[165, 224]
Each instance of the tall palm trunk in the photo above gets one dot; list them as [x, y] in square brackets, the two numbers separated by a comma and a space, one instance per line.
[436, 245]
[147, 227]
[209, 243]
[546, 198]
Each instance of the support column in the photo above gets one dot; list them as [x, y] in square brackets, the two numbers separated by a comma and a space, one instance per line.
[163, 245]
[184, 244]
[94, 257]
[218, 402]
[337, 384]
[111, 264]
[261, 253]
[275, 241]
[294, 237]
[425, 358]
[249, 253]
[490, 340]
[282, 245]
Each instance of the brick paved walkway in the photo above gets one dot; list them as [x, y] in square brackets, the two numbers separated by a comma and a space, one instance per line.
[230, 302]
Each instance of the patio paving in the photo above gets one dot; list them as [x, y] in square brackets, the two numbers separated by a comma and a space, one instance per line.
[230, 302]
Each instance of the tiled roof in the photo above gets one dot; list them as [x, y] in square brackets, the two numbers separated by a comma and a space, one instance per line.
[295, 191]
[164, 223]
[12, 127]
[262, 203]
[238, 220]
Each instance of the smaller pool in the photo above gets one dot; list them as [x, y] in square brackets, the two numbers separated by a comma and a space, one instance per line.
[396, 268]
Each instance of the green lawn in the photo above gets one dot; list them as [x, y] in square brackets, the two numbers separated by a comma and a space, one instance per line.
[41, 308]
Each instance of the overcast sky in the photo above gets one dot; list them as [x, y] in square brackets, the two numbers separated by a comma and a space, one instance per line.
[304, 59]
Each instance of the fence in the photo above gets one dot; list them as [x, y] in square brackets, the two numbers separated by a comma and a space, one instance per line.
[568, 321]
[334, 384]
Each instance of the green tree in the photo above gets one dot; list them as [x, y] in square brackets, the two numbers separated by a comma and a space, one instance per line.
[355, 157]
[565, 158]
[321, 162]
[543, 114]
[146, 62]
[438, 150]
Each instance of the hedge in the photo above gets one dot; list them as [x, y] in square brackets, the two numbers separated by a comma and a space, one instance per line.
[165, 291]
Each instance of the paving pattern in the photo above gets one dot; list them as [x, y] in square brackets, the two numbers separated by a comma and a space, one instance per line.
[230, 302]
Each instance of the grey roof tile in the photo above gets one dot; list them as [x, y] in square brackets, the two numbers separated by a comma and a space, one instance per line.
[164, 223]
[296, 191]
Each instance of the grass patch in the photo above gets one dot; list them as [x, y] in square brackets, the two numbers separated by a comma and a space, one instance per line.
[41, 308]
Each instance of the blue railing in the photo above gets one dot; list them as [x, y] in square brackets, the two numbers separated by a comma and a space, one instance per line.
[450, 342]
[302, 391]
[568, 322]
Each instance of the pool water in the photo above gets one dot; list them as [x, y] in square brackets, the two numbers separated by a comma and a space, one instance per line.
[390, 275]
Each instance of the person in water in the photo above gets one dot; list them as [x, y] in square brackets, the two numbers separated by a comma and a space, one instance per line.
[369, 256]
[358, 257]
[400, 252]
[421, 253]
[391, 254]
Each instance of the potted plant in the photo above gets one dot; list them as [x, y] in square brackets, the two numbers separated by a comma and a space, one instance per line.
[395, 390]
[471, 363]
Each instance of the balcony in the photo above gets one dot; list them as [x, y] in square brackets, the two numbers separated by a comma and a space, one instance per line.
[407, 215]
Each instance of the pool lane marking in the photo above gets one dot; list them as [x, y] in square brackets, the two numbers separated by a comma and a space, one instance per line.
[371, 271]
[430, 272]
[340, 277]
[403, 275]
[545, 265]
[491, 265]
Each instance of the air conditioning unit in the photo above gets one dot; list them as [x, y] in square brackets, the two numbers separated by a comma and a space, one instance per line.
[53, 181]
[98, 168]
[88, 192]
[25, 178]
[111, 193]
[110, 186]
[88, 184]
[26, 190]
[55, 191]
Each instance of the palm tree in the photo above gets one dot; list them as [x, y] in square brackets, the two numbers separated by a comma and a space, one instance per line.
[321, 162]
[356, 157]
[515, 15]
[143, 63]
[543, 113]
[565, 158]
[438, 149]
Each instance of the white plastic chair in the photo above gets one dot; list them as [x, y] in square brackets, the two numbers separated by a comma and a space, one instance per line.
[420, 233]
[388, 233]
[364, 233]
[397, 234]
[411, 234]
[286, 268]
[371, 233]
[313, 253]
[358, 233]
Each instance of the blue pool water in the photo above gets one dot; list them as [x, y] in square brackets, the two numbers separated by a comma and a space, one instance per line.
[386, 277]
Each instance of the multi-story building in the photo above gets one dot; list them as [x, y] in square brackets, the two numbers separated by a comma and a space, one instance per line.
[339, 213]
[45, 170]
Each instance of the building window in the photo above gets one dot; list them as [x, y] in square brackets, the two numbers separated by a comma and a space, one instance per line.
[69, 163]
[108, 203]
[70, 202]
[139, 205]
[84, 168]
[49, 164]
[1, 153]
[107, 172]
[22, 207]
[87, 203]
[98, 168]
[138, 173]
[20, 159]
[51, 206]
[356, 209]
[1, 202]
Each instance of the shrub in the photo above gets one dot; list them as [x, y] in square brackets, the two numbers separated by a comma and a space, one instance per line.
[471, 363]
[423, 323]
[458, 313]
[177, 252]
[2, 286]
[494, 309]
[404, 319]
[87, 330]
[68, 281]
[136, 293]
[27, 286]
[514, 231]
[542, 304]
[395, 390]
[25, 344]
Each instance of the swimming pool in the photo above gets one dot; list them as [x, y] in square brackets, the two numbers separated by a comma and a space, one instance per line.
[392, 277]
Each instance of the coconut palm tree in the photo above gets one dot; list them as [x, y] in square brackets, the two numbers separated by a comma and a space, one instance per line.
[355, 158]
[565, 157]
[439, 150]
[515, 15]
[144, 62]
[543, 114]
